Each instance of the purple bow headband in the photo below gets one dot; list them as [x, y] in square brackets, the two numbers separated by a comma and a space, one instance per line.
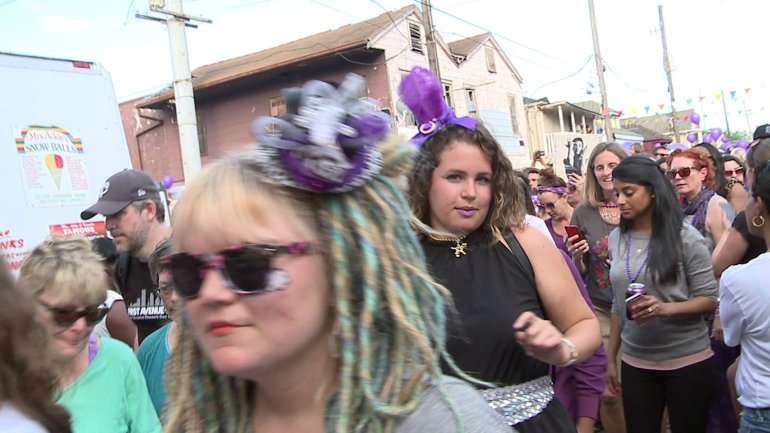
[326, 141]
[423, 93]
[556, 190]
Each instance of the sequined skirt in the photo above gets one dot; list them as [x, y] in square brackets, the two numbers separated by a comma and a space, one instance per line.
[518, 403]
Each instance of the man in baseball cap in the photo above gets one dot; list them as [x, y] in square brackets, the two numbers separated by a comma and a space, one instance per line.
[135, 218]
[120, 190]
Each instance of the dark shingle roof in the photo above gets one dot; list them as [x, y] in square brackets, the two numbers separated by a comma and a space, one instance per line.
[464, 47]
[314, 46]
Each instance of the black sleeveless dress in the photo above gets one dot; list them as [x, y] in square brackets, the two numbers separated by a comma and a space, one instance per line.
[490, 291]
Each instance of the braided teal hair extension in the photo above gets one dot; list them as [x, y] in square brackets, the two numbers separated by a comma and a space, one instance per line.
[390, 314]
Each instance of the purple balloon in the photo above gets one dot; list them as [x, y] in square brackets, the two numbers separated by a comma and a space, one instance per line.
[692, 137]
[695, 118]
[168, 181]
[707, 139]
[677, 146]
[743, 144]
[725, 147]
[725, 139]
[715, 133]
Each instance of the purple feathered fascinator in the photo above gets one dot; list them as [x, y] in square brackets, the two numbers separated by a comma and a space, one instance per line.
[326, 141]
[423, 93]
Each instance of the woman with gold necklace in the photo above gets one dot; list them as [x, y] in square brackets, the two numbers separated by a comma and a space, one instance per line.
[596, 217]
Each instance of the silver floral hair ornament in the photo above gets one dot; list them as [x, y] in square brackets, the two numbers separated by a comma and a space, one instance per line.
[326, 141]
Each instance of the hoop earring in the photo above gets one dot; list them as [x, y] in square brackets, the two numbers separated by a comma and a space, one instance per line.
[754, 221]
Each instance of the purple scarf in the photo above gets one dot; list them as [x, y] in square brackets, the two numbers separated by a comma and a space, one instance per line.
[697, 208]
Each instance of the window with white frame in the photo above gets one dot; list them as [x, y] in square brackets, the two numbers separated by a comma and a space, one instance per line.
[470, 100]
[448, 94]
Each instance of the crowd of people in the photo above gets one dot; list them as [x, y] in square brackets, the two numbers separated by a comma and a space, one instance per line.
[336, 278]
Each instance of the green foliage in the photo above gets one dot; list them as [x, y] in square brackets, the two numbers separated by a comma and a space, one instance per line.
[738, 135]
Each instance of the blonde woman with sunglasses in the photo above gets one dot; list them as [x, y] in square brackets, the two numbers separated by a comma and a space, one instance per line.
[99, 379]
[306, 303]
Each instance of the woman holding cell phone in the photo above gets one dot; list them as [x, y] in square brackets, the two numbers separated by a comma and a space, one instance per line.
[662, 266]
[595, 218]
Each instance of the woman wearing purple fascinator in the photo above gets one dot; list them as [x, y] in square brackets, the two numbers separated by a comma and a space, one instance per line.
[306, 304]
[518, 308]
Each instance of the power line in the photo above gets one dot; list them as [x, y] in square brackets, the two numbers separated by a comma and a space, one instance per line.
[563, 78]
[503, 37]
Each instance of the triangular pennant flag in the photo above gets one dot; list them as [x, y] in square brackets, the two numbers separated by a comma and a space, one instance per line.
[660, 106]
[732, 94]
[747, 89]
[689, 101]
[647, 109]
[718, 96]
[620, 113]
[700, 98]
[633, 111]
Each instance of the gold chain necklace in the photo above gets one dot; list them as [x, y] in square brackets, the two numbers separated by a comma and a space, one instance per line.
[458, 248]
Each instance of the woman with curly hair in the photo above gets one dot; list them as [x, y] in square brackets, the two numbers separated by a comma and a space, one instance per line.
[306, 305]
[27, 379]
[519, 309]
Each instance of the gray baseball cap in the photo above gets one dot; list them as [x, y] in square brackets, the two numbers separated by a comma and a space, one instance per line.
[120, 190]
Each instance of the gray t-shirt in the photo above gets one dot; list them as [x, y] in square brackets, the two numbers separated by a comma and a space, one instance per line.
[595, 230]
[434, 415]
[662, 339]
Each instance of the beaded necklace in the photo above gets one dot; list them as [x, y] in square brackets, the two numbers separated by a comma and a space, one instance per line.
[609, 212]
[628, 260]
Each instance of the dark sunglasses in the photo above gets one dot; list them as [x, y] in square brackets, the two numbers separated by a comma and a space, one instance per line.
[682, 172]
[66, 317]
[247, 269]
[738, 171]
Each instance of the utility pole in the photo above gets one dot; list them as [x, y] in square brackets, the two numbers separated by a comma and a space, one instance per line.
[600, 71]
[183, 88]
[430, 40]
[746, 113]
[667, 68]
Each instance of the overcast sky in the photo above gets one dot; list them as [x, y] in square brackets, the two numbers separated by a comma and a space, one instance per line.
[715, 45]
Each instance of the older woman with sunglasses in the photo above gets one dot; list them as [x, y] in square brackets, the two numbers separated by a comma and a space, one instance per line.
[693, 177]
[306, 302]
[27, 382]
[99, 379]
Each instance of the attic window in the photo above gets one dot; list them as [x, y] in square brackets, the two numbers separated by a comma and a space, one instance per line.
[415, 37]
[490, 55]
